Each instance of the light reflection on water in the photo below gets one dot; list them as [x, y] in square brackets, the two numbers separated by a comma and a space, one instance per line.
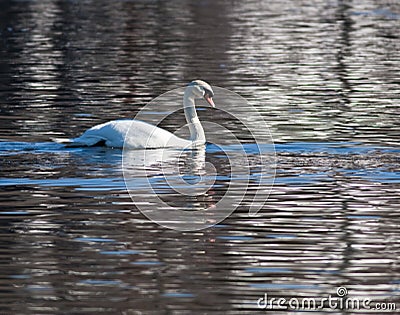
[324, 76]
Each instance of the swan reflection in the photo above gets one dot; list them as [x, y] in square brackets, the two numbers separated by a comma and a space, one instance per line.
[160, 175]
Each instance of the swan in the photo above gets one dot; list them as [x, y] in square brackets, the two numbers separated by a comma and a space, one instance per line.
[137, 134]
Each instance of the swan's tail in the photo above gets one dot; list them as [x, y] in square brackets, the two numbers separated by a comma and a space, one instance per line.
[77, 142]
[62, 140]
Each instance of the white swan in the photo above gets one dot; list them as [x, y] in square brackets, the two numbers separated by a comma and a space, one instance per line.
[146, 136]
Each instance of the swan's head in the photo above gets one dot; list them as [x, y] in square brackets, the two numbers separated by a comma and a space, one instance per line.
[201, 89]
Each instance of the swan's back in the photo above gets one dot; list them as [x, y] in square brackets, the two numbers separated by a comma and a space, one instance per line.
[134, 134]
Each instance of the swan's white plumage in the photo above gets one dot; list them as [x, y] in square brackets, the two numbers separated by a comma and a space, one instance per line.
[141, 135]
[136, 134]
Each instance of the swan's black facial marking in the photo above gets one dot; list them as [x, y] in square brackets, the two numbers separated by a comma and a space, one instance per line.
[208, 92]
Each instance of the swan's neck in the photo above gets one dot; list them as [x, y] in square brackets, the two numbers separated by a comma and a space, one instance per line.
[195, 127]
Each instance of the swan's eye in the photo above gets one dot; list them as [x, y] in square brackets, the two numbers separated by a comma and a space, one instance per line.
[208, 92]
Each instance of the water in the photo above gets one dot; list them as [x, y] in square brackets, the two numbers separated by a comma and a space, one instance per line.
[324, 74]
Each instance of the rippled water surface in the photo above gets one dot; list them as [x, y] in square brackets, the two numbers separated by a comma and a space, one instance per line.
[324, 74]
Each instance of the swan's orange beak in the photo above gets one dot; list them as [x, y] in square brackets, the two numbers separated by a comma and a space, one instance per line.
[209, 100]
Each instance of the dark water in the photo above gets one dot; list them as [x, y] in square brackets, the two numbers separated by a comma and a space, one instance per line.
[324, 74]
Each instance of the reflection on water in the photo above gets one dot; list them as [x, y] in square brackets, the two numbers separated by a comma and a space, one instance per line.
[73, 234]
[323, 74]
